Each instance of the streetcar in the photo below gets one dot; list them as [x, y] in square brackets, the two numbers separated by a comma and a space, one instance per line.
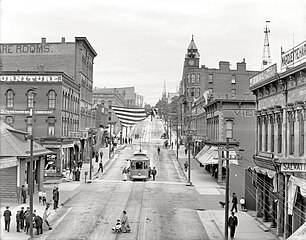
[139, 165]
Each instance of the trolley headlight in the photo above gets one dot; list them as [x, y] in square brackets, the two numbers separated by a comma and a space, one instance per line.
[139, 174]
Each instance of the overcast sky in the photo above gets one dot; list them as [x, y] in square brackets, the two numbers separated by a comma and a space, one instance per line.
[142, 43]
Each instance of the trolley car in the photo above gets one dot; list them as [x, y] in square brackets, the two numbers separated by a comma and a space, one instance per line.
[139, 166]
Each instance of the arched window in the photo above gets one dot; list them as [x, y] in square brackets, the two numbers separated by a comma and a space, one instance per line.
[30, 99]
[51, 99]
[10, 99]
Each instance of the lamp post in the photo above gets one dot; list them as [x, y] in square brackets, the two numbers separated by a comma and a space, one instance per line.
[229, 135]
[110, 138]
[31, 181]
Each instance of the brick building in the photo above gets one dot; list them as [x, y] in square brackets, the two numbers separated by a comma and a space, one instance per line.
[75, 60]
[280, 170]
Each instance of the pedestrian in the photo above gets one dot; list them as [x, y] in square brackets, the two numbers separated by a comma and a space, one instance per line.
[186, 166]
[18, 221]
[232, 224]
[158, 150]
[40, 196]
[23, 194]
[234, 202]
[97, 157]
[77, 174]
[186, 150]
[242, 203]
[149, 173]
[55, 198]
[171, 145]
[46, 215]
[154, 172]
[44, 197]
[38, 224]
[125, 224]
[124, 174]
[22, 218]
[101, 155]
[27, 220]
[7, 218]
[100, 167]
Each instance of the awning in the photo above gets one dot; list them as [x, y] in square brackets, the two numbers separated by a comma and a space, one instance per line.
[264, 171]
[292, 187]
[210, 156]
[202, 152]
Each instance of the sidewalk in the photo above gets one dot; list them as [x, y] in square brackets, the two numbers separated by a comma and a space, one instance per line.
[213, 220]
[67, 190]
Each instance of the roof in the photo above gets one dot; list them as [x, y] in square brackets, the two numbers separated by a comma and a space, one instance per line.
[192, 45]
[14, 144]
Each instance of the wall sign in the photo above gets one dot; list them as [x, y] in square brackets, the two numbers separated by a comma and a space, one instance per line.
[25, 112]
[294, 56]
[31, 48]
[293, 167]
[29, 78]
[265, 74]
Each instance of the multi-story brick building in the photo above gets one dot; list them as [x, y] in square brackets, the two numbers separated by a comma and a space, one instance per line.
[55, 100]
[280, 170]
[75, 60]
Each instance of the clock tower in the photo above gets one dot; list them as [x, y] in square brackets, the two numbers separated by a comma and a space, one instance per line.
[192, 57]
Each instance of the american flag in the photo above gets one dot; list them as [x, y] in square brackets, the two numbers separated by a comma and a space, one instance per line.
[129, 116]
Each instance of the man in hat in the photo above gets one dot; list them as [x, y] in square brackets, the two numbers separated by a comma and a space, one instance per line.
[232, 224]
[7, 218]
[55, 198]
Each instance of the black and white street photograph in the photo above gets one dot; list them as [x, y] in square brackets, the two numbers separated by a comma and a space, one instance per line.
[153, 120]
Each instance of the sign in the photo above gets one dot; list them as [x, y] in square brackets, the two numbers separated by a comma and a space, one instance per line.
[244, 113]
[30, 78]
[75, 134]
[231, 155]
[25, 112]
[30, 48]
[294, 56]
[293, 167]
[264, 75]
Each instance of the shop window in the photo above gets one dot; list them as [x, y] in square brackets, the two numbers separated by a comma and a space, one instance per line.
[10, 99]
[51, 99]
[50, 163]
[51, 126]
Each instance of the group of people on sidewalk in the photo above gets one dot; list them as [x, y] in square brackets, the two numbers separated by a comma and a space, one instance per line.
[23, 220]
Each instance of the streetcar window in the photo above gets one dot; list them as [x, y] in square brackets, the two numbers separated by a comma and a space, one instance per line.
[139, 165]
[145, 166]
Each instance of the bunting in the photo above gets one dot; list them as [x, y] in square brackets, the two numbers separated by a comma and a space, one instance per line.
[129, 116]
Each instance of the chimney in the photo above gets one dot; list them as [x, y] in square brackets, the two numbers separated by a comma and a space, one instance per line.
[43, 40]
[63, 40]
[224, 66]
[241, 66]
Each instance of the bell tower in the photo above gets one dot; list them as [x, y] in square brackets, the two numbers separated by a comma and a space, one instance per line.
[192, 57]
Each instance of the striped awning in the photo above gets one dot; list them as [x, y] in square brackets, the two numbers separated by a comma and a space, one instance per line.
[129, 116]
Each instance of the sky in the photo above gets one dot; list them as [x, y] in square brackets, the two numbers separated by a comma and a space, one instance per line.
[142, 43]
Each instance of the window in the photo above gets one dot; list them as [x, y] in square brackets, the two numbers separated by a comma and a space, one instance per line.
[51, 99]
[260, 134]
[51, 126]
[233, 79]
[197, 92]
[279, 134]
[192, 92]
[9, 120]
[10, 99]
[301, 135]
[109, 116]
[210, 78]
[266, 133]
[188, 78]
[198, 77]
[188, 92]
[272, 134]
[291, 133]
[109, 104]
[30, 99]
[193, 78]
[233, 91]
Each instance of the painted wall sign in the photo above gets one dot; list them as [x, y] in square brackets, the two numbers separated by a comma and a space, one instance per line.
[294, 56]
[31, 48]
[25, 112]
[293, 167]
[75, 134]
[265, 74]
[29, 78]
[244, 113]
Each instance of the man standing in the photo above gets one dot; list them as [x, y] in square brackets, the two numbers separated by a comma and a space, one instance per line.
[154, 172]
[186, 166]
[234, 202]
[22, 217]
[18, 221]
[7, 218]
[55, 198]
[100, 166]
[232, 224]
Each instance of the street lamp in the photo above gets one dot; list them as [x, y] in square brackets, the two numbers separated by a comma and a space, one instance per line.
[229, 135]
[31, 182]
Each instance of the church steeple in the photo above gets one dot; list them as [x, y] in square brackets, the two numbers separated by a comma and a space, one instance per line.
[164, 90]
[192, 56]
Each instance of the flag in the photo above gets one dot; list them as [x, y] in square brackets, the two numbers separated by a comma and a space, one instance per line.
[129, 116]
